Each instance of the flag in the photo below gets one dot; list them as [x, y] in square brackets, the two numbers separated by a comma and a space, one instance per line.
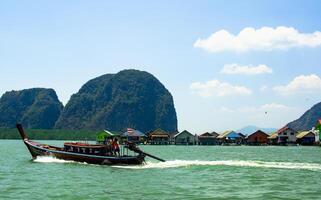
[130, 131]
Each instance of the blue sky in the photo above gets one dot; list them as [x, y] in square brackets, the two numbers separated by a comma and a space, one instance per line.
[63, 44]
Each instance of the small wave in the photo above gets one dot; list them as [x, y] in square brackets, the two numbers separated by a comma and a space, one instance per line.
[236, 163]
[50, 159]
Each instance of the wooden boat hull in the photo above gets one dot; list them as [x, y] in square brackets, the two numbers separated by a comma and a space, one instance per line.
[37, 149]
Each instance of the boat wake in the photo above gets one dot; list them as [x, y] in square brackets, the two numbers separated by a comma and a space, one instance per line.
[190, 163]
[49, 159]
[235, 163]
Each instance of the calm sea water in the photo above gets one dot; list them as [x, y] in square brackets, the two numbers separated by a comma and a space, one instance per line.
[191, 172]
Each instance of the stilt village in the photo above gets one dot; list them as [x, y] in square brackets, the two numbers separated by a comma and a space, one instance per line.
[284, 136]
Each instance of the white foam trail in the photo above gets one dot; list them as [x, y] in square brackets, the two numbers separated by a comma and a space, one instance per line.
[50, 159]
[236, 163]
[189, 163]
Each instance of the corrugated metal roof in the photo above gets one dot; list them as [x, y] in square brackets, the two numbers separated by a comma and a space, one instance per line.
[229, 134]
[303, 134]
[136, 133]
[282, 129]
[208, 135]
[273, 136]
[222, 135]
[100, 137]
[185, 131]
[158, 132]
[256, 132]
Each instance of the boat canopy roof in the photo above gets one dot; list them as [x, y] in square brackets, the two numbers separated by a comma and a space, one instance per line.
[83, 145]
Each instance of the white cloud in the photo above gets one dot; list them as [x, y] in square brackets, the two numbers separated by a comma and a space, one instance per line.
[271, 107]
[264, 39]
[248, 70]
[226, 109]
[217, 88]
[300, 84]
[264, 88]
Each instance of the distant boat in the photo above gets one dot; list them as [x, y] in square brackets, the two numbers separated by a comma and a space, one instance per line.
[88, 153]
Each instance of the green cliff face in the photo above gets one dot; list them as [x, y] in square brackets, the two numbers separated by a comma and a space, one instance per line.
[308, 119]
[34, 108]
[130, 98]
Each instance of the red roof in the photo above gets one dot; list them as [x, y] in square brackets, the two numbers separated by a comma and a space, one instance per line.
[319, 121]
[257, 132]
[282, 129]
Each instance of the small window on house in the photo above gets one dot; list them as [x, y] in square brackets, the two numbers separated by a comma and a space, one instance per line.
[284, 133]
[292, 133]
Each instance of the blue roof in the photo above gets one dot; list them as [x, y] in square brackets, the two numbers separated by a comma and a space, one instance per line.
[233, 134]
[229, 134]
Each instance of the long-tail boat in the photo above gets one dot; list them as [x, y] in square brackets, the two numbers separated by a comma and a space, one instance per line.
[87, 153]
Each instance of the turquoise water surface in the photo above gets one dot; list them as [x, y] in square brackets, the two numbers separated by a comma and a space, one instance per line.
[191, 172]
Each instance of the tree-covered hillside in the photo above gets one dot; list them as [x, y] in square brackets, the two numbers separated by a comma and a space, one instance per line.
[308, 119]
[130, 98]
[34, 108]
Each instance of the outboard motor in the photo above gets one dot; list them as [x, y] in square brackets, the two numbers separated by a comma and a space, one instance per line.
[133, 147]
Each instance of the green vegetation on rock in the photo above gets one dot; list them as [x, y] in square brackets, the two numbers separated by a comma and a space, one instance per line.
[308, 119]
[130, 98]
[34, 108]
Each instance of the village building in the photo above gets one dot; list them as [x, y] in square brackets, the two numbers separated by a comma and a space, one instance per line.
[317, 131]
[286, 135]
[273, 139]
[184, 138]
[243, 137]
[257, 138]
[159, 136]
[230, 137]
[135, 136]
[306, 138]
[208, 138]
[171, 137]
[105, 135]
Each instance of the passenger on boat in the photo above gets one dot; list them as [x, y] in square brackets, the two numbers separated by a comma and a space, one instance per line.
[109, 147]
[115, 146]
